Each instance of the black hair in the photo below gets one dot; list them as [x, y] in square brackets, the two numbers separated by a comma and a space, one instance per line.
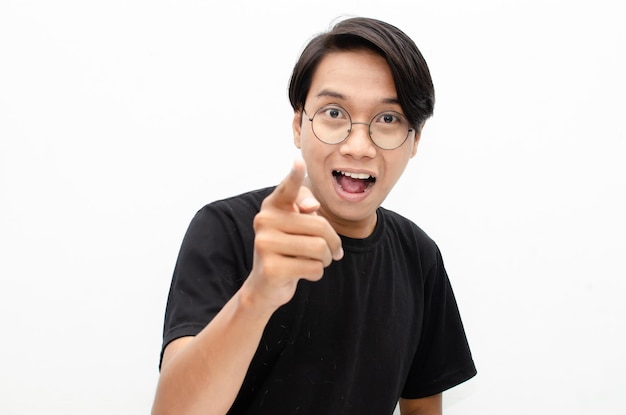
[412, 79]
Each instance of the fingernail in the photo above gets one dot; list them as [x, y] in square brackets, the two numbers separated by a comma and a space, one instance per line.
[308, 202]
[339, 254]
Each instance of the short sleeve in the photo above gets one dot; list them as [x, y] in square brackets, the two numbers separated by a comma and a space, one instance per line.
[443, 358]
[213, 261]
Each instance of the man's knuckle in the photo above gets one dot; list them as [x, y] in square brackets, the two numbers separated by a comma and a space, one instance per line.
[320, 247]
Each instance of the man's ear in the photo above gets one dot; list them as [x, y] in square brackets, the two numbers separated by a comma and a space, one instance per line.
[416, 140]
[296, 125]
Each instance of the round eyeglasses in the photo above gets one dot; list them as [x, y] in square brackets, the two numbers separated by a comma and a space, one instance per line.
[332, 124]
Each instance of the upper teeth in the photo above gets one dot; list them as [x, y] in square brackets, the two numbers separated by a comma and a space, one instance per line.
[361, 176]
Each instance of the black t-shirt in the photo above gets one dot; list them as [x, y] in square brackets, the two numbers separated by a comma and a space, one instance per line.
[382, 322]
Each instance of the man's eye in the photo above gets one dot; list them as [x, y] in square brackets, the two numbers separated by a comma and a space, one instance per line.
[388, 118]
[335, 113]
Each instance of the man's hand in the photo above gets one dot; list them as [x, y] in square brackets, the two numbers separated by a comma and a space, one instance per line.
[291, 242]
[203, 374]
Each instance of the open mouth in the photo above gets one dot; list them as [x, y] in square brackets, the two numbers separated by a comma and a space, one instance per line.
[353, 182]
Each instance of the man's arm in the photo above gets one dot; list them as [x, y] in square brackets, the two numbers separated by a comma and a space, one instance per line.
[431, 405]
[203, 374]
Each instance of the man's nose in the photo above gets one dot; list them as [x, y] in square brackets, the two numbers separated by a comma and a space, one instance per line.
[358, 144]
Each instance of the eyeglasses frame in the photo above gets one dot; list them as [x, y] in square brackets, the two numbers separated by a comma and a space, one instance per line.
[369, 126]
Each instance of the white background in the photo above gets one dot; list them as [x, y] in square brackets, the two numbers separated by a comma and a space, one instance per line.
[119, 119]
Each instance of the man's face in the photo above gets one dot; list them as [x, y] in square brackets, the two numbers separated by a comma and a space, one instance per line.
[361, 83]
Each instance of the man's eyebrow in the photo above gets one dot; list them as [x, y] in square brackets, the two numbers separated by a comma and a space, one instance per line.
[391, 101]
[334, 94]
[331, 94]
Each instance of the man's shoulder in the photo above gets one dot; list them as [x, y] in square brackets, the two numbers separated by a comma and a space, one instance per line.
[406, 231]
[248, 202]
[238, 210]
[401, 223]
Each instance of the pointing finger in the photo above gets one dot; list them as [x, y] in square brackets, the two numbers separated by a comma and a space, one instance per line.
[306, 202]
[286, 193]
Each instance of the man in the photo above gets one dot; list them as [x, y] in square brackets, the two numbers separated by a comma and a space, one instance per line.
[310, 298]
